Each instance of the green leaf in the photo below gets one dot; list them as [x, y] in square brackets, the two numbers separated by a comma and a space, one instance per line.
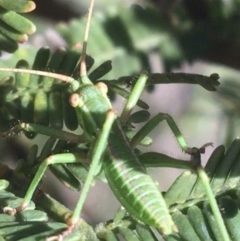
[14, 27]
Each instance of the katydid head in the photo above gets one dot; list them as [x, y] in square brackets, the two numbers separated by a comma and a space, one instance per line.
[76, 100]
[91, 106]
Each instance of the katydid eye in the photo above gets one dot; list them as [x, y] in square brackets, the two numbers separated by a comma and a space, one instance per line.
[74, 100]
[102, 87]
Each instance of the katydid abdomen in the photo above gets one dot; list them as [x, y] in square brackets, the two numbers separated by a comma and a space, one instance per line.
[132, 185]
[127, 177]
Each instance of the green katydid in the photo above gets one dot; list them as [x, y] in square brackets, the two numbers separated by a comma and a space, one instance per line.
[126, 176]
[92, 108]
